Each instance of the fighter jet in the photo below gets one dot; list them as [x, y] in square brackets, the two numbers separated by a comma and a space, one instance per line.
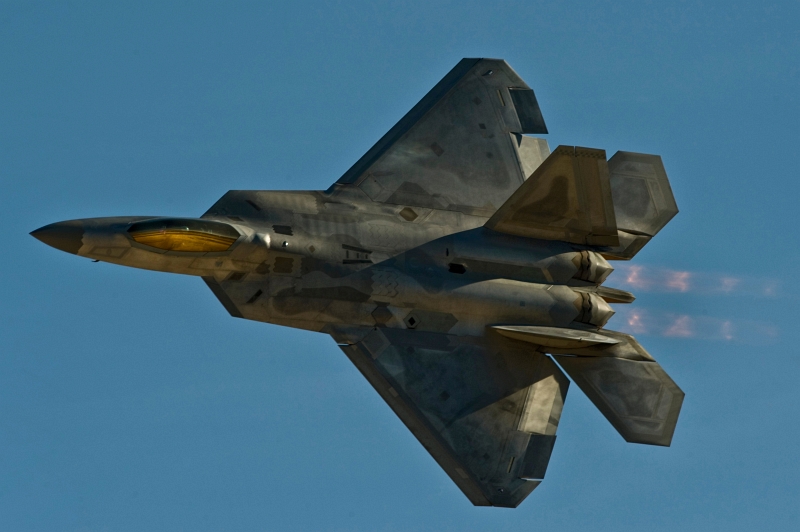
[459, 264]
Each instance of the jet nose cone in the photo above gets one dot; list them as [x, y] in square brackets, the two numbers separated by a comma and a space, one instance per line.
[66, 236]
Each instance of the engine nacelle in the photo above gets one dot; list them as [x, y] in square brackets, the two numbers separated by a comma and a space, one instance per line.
[592, 309]
[592, 267]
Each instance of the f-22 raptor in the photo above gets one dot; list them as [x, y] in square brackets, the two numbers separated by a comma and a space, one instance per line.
[459, 264]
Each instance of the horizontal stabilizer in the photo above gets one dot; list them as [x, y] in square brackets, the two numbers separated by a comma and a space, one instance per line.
[557, 337]
[643, 200]
[636, 396]
[567, 198]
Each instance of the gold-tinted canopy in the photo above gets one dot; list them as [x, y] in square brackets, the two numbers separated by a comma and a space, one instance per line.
[184, 234]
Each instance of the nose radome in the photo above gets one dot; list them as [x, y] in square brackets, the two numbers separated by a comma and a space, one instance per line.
[66, 236]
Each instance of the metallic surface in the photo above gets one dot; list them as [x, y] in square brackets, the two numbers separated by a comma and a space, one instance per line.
[458, 264]
[66, 236]
[553, 336]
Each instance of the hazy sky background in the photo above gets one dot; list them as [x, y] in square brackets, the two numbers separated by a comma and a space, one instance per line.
[131, 400]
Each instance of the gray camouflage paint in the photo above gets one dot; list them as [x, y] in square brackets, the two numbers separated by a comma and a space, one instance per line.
[448, 230]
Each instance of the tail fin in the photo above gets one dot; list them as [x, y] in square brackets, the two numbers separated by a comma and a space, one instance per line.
[567, 198]
[577, 197]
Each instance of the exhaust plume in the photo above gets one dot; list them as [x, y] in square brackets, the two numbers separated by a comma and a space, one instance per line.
[644, 321]
[655, 279]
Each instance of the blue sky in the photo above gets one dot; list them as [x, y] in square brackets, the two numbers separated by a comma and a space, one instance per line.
[130, 400]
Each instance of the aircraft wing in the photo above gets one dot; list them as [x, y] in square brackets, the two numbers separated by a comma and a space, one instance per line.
[461, 147]
[486, 409]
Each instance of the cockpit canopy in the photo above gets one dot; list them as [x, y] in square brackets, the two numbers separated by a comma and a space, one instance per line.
[184, 234]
